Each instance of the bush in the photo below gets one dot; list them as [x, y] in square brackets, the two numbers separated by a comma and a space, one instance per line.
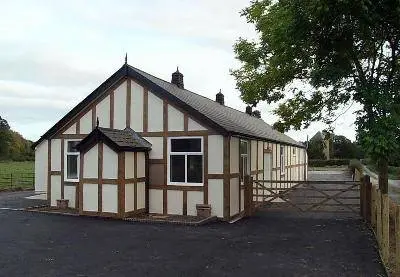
[323, 163]
[355, 164]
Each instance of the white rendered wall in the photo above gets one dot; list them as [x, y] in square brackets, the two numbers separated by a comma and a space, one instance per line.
[56, 154]
[215, 154]
[157, 147]
[156, 201]
[129, 197]
[71, 130]
[85, 124]
[90, 197]
[194, 126]
[110, 198]
[120, 107]
[129, 165]
[103, 112]
[175, 119]
[69, 194]
[216, 197]
[260, 155]
[175, 202]
[136, 107]
[110, 163]
[155, 113]
[55, 189]
[41, 166]
[234, 196]
[234, 155]
[194, 198]
[141, 195]
[141, 165]
[90, 162]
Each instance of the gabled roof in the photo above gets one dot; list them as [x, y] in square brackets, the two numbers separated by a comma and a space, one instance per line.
[119, 140]
[222, 118]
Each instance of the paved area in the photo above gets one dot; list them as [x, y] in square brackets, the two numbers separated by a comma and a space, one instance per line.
[272, 243]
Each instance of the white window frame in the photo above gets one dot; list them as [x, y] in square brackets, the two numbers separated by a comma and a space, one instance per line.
[282, 159]
[201, 153]
[66, 154]
[247, 155]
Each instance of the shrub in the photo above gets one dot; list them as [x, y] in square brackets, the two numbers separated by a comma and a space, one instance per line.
[323, 163]
[355, 164]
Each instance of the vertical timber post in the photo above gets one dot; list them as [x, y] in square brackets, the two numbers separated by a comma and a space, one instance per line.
[379, 217]
[362, 196]
[368, 186]
[397, 234]
[373, 207]
[248, 197]
[385, 228]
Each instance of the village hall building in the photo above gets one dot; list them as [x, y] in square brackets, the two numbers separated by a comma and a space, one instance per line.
[138, 144]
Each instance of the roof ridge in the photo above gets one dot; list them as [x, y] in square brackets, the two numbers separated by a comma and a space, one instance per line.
[137, 69]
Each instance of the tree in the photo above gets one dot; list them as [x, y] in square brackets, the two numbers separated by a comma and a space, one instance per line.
[318, 57]
[315, 148]
[343, 148]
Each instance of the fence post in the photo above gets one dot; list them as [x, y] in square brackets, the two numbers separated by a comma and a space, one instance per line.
[11, 181]
[368, 186]
[397, 234]
[385, 228]
[379, 217]
[373, 207]
[248, 195]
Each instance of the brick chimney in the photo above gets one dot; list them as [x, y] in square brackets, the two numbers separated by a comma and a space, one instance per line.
[249, 110]
[219, 98]
[257, 113]
[177, 79]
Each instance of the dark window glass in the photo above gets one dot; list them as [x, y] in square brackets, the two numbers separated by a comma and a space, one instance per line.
[195, 169]
[72, 167]
[185, 145]
[71, 146]
[243, 147]
[177, 170]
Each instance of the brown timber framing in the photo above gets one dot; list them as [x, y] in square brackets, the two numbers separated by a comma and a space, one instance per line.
[128, 103]
[226, 183]
[165, 145]
[100, 176]
[49, 170]
[62, 168]
[121, 184]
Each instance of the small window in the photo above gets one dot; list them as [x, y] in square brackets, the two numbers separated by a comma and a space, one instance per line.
[72, 161]
[294, 151]
[244, 166]
[282, 160]
[186, 160]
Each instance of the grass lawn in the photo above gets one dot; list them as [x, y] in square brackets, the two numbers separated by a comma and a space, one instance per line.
[16, 175]
[394, 172]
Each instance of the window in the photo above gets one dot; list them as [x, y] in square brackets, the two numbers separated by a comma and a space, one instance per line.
[71, 161]
[282, 160]
[294, 151]
[186, 160]
[244, 159]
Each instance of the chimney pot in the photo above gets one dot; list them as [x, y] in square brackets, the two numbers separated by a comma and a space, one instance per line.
[219, 98]
[177, 79]
[249, 110]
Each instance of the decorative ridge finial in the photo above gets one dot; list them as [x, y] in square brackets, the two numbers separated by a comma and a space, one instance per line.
[97, 122]
[126, 58]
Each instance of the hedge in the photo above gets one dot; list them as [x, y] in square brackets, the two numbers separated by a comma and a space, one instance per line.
[333, 162]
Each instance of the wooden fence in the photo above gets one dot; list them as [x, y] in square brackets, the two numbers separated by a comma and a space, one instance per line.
[383, 215]
[17, 181]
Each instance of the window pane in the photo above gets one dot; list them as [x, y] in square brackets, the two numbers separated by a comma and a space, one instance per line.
[71, 146]
[243, 147]
[72, 167]
[185, 145]
[177, 168]
[195, 168]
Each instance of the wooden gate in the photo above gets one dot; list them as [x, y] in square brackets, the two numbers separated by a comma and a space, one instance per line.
[304, 196]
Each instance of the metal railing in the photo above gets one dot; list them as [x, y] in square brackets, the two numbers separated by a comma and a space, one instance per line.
[17, 181]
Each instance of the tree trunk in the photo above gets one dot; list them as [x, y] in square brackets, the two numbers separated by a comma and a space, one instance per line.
[383, 168]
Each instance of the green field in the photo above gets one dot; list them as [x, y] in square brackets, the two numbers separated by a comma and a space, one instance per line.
[16, 175]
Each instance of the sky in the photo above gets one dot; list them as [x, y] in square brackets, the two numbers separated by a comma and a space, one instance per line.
[54, 53]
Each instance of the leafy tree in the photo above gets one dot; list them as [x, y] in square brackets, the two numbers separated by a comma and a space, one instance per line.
[315, 148]
[343, 148]
[4, 124]
[316, 57]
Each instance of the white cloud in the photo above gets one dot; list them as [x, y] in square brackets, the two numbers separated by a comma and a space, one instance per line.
[54, 53]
